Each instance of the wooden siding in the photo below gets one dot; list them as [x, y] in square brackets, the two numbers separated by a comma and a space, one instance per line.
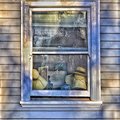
[10, 68]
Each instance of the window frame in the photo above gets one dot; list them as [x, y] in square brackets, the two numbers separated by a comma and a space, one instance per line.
[94, 91]
[62, 93]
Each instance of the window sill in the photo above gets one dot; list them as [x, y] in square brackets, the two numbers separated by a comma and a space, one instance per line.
[61, 104]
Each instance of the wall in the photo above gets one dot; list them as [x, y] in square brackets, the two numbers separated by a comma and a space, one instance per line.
[10, 67]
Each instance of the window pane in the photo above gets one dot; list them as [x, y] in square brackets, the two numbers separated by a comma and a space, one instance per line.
[59, 72]
[60, 29]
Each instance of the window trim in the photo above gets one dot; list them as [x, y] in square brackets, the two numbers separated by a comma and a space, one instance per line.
[95, 89]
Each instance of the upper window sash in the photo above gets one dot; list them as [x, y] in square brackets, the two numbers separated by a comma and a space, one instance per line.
[66, 50]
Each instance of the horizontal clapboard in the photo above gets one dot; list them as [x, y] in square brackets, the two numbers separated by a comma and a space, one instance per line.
[8, 83]
[10, 1]
[110, 22]
[110, 75]
[111, 99]
[9, 60]
[10, 29]
[9, 37]
[110, 83]
[9, 45]
[110, 1]
[10, 68]
[111, 6]
[110, 45]
[110, 37]
[110, 60]
[10, 53]
[110, 53]
[10, 76]
[6, 6]
[110, 68]
[110, 14]
[10, 22]
[111, 91]
[110, 29]
[9, 14]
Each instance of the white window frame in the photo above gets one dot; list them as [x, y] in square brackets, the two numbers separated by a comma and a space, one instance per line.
[63, 93]
[94, 87]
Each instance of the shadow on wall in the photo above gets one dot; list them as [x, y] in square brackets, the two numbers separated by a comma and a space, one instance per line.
[10, 79]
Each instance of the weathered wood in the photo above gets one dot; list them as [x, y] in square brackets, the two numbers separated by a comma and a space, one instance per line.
[110, 45]
[111, 91]
[10, 45]
[9, 76]
[9, 68]
[111, 99]
[110, 37]
[110, 1]
[9, 22]
[9, 37]
[6, 6]
[8, 83]
[10, 1]
[111, 22]
[10, 29]
[10, 53]
[9, 91]
[10, 14]
[110, 75]
[110, 52]
[110, 83]
[10, 100]
[110, 14]
[110, 60]
[110, 29]
[9, 60]
[111, 6]
[110, 68]
[60, 114]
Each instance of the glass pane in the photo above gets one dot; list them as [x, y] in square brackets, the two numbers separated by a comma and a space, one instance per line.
[59, 72]
[59, 29]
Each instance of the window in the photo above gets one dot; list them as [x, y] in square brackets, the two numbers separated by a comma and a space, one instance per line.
[60, 55]
[60, 51]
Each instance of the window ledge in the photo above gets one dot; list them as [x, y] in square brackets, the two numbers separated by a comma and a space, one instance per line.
[60, 104]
